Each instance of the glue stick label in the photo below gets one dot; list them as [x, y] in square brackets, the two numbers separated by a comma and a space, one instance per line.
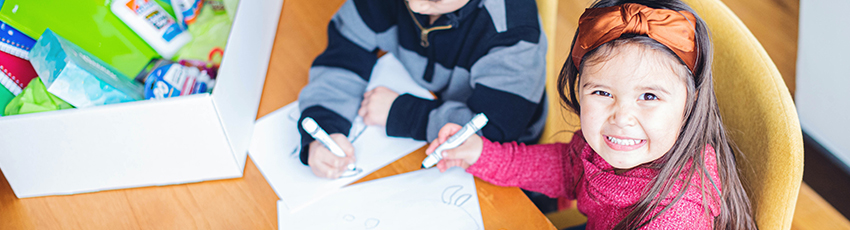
[156, 16]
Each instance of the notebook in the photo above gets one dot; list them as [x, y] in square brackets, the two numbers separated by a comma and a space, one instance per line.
[14, 42]
[15, 73]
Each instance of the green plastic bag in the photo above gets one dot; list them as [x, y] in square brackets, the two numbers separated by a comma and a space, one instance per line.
[88, 23]
[210, 32]
[230, 6]
[34, 99]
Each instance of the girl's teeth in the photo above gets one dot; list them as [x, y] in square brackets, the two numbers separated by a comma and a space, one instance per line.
[623, 141]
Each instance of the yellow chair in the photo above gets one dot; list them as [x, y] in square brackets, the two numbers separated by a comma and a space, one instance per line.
[756, 107]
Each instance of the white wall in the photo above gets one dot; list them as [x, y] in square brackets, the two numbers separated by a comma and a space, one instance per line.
[823, 74]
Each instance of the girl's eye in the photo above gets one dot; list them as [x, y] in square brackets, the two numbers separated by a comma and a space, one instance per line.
[601, 93]
[648, 97]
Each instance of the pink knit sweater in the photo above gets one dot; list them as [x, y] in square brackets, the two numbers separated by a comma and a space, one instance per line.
[573, 170]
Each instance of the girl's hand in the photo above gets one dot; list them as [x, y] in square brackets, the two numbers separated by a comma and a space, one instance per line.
[375, 107]
[463, 156]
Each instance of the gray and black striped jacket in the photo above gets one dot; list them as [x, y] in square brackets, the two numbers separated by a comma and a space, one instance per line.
[487, 57]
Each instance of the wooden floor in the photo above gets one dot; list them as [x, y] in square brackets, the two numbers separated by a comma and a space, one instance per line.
[774, 23]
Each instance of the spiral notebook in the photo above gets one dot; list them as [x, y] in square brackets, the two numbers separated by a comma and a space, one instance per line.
[14, 42]
[15, 72]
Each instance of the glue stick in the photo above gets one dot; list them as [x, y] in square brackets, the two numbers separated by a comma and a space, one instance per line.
[153, 24]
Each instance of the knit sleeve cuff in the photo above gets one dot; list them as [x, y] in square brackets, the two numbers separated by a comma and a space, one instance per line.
[488, 163]
[408, 116]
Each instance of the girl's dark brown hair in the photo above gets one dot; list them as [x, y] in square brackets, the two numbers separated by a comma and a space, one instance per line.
[702, 125]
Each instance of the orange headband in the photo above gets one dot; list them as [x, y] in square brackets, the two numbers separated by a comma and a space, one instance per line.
[673, 29]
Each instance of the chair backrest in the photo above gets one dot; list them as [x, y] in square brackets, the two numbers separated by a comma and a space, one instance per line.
[548, 10]
[759, 114]
[560, 123]
[756, 107]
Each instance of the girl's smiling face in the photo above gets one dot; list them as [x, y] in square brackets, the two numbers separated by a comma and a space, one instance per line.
[632, 101]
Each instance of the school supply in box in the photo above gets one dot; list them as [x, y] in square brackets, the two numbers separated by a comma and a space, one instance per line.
[15, 73]
[34, 99]
[150, 21]
[14, 42]
[88, 24]
[77, 77]
[209, 34]
[217, 6]
[186, 11]
[173, 80]
[164, 78]
[124, 146]
[210, 67]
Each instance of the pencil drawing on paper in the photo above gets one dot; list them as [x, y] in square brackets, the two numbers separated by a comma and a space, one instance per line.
[443, 212]
[370, 223]
[450, 191]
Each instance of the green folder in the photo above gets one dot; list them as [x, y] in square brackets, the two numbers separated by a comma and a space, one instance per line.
[5, 97]
[88, 23]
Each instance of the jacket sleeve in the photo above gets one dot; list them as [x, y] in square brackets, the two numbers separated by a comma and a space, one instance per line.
[551, 169]
[508, 82]
[339, 75]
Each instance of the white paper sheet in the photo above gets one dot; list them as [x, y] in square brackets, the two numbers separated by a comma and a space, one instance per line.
[275, 150]
[390, 73]
[423, 199]
[275, 145]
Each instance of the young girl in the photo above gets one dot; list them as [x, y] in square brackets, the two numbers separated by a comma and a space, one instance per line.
[652, 152]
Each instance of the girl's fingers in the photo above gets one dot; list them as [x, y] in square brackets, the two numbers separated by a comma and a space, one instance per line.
[447, 131]
[452, 154]
[445, 164]
[433, 146]
[442, 136]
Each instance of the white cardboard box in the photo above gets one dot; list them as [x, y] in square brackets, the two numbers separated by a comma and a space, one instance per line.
[144, 143]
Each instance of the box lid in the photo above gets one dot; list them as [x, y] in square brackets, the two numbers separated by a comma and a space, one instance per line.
[239, 84]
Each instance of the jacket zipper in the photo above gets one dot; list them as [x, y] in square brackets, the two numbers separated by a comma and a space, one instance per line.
[423, 36]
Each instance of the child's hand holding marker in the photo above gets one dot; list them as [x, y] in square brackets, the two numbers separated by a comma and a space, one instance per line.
[331, 156]
[463, 156]
[324, 163]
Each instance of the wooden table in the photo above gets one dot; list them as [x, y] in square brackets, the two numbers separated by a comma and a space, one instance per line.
[247, 202]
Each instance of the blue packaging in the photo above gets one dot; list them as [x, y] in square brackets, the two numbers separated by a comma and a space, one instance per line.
[76, 76]
[171, 80]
